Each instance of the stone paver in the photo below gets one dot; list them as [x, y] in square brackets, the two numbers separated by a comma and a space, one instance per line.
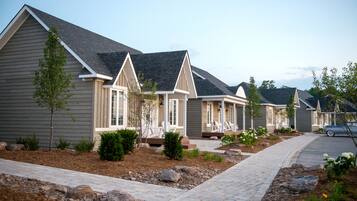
[312, 154]
[249, 179]
[207, 145]
[97, 182]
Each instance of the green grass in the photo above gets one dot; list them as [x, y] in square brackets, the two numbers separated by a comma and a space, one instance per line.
[194, 153]
[212, 157]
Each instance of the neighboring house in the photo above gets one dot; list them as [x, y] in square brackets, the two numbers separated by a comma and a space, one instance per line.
[341, 112]
[215, 109]
[273, 103]
[309, 116]
[103, 75]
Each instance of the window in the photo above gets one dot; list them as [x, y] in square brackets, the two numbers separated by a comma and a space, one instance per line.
[173, 112]
[117, 108]
[209, 113]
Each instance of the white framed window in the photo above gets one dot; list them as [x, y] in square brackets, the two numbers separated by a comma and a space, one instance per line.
[173, 112]
[118, 108]
[209, 113]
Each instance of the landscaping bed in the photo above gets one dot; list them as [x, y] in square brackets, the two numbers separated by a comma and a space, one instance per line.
[141, 165]
[280, 190]
[262, 143]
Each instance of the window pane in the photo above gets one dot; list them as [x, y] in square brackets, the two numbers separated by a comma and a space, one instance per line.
[121, 109]
[114, 108]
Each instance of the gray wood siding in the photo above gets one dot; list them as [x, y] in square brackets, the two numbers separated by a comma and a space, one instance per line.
[303, 118]
[19, 115]
[258, 121]
[194, 118]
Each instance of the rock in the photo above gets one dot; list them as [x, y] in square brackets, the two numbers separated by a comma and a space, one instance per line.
[233, 152]
[144, 145]
[15, 147]
[3, 146]
[213, 138]
[302, 184]
[45, 187]
[61, 189]
[169, 175]
[116, 195]
[313, 168]
[82, 192]
[265, 144]
[187, 169]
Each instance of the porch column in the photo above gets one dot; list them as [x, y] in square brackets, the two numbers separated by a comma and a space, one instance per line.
[235, 116]
[295, 119]
[243, 126]
[185, 116]
[222, 115]
[334, 118]
[166, 112]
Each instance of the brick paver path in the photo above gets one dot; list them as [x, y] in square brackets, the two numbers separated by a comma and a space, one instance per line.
[249, 179]
[97, 182]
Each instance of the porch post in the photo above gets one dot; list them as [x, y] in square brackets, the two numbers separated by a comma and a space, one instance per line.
[185, 116]
[235, 116]
[295, 119]
[166, 111]
[334, 118]
[222, 115]
[243, 126]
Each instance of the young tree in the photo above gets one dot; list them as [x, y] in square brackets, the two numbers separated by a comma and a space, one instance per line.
[253, 101]
[348, 82]
[290, 108]
[52, 83]
[268, 84]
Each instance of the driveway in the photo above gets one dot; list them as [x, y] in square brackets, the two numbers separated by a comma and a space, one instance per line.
[312, 154]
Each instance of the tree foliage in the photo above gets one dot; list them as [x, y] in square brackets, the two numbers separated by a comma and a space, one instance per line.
[52, 83]
[290, 108]
[253, 100]
[268, 84]
[348, 82]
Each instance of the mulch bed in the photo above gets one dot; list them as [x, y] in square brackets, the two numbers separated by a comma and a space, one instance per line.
[141, 165]
[278, 190]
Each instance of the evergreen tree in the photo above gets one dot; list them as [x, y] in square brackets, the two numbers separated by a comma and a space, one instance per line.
[253, 101]
[268, 84]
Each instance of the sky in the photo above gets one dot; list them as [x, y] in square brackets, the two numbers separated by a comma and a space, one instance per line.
[233, 40]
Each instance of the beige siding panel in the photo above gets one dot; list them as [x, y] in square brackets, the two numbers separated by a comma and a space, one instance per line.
[19, 114]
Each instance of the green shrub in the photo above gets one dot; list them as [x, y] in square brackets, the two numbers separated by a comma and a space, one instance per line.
[248, 137]
[229, 139]
[337, 192]
[111, 147]
[213, 157]
[194, 153]
[84, 146]
[62, 144]
[128, 139]
[339, 166]
[30, 143]
[172, 146]
[261, 131]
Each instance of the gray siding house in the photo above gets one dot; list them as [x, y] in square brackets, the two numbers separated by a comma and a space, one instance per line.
[103, 74]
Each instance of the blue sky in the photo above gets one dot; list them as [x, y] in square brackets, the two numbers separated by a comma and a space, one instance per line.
[279, 40]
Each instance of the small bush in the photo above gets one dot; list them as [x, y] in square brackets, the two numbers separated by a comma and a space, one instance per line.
[194, 153]
[111, 147]
[283, 130]
[213, 157]
[20, 140]
[339, 166]
[30, 143]
[248, 137]
[172, 146]
[62, 144]
[320, 131]
[84, 146]
[261, 131]
[128, 139]
[337, 192]
[229, 139]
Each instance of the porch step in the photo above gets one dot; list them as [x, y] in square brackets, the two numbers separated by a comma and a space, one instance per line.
[186, 143]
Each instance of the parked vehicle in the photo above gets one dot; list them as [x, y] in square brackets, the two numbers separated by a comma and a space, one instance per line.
[332, 130]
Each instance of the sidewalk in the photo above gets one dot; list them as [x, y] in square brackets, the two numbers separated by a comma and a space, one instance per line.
[96, 182]
[249, 179]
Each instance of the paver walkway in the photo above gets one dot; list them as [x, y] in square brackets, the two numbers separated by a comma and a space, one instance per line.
[249, 179]
[97, 182]
[312, 154]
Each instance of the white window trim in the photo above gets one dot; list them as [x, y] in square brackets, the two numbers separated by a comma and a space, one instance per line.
[211, 113]
[177, 112]
[125, 112]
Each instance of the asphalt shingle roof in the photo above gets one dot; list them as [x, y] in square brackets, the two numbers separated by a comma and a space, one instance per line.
[210, 85]
[245, 87]
[279, 96]
[86, 44]
[113, 61]
[308, 98]
[161, 67]
[327, 104]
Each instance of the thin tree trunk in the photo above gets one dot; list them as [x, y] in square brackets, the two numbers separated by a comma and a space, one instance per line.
[251, 120]
[51, 131]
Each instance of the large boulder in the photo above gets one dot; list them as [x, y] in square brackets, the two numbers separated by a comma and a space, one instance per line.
[116, 195]
[303, 184]
[3, 146]
[169, 175]
[15, 147]
[82, 192]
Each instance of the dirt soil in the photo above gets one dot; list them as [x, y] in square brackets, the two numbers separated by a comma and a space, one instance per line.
[278, 191]
[143, 162]
[261, 144]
